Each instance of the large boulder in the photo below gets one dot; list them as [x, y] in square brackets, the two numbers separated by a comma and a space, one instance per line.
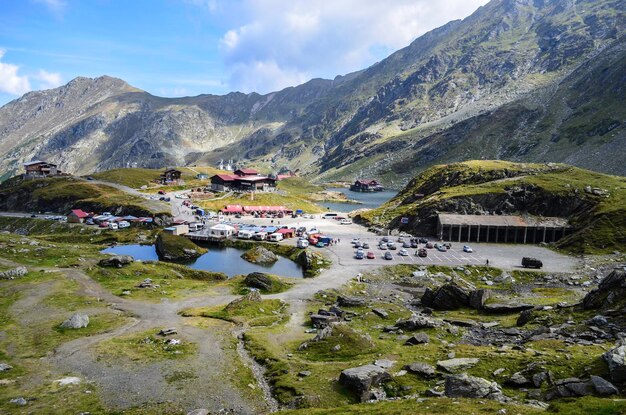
[259, 280]
[260, 255]
[117, 261]
[465, 386]
[610, 291]
[76, 321]
[361, 379]
[421, 368]
[177, 248]
[616, 360]
[346, 301]
[446, 297]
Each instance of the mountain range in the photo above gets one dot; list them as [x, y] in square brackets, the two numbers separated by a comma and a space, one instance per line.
[519, 80]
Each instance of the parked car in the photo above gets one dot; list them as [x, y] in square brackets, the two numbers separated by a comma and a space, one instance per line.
[113, 226]
[388, 255]
[370, 255]
[422, 240]
[441, 248]
[448, 245]
[355, 240]
[359, 244]
[400, 239]
[403, 252]
[528, 262]
[385, 239]
[467, 248]
[123, 224]
[161, 192]
[430, 245]
[392, 246]
[422, 252]
[90, 222]
[414, 244]
[366, 245]
[383, 246]
[359, 255]
[345, 222]
[406, 244]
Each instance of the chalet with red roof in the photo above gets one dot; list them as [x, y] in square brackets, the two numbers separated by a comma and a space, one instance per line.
[77, 216]
[366, 185]
[38, 168]
[243, 180]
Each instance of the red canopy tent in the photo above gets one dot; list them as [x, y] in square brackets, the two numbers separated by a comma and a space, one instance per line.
[232, 209]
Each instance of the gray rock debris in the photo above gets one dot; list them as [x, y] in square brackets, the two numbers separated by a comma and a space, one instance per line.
[361, 379]
[457, 364]
[616, 360]
[465, 386]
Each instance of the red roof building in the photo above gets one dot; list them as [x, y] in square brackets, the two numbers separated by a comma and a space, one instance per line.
[77, 216]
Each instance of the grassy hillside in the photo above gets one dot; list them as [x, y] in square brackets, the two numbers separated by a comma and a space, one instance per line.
[137, 177]
[536, 189]
[64, 193]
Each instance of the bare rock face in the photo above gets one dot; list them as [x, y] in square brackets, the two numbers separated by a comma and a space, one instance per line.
[361, 379]
[465, 386]
[259, 280]
[13, 273]
[76, 321]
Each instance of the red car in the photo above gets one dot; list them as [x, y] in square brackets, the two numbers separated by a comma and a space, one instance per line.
[370, 255]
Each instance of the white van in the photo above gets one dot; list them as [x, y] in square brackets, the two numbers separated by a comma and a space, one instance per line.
[329, 216]
[244, 234]
[113, 226]
[302, 243]
[275, 237]
[123, 224]
[260, 236]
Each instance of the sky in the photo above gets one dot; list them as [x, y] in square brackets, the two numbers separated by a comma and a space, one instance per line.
[189, 47]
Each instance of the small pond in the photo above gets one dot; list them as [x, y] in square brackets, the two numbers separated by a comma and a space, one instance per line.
[369, 200]
[218, 259]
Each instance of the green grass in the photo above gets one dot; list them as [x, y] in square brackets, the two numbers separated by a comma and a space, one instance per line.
[144, 347]
[175, 281]
[131, 177]
[264, 313]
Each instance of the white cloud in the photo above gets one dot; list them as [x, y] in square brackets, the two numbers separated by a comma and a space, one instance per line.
[48, 80]
[293, 38]
[11, 82]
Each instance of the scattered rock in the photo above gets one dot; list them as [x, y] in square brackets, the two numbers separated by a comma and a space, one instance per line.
[304, 373]
[76, 321]
[416, 322]
[168, 331]
[384, 363]
[422, 369]
[616, 360]
[500, 308]
[380, 312]
[19, 401]
[13, 273]
[524, 317]
[72, 380]
[518, 379]
[603, 387]
[320, 321]
[457, 364]
[345, 301]
[4, 367]
[446, 297]
[200, 411]
[465, 386]
[362, 379]
[117, 261]
[147, 283]
[419, 338]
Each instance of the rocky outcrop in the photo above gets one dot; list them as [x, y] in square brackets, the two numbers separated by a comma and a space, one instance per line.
[610, 291]
[465, 386]
[422, 369]
[13, 273]
[251, 297]
[260, 281]
[457, 364]
[260, 255]
[177, 248]
[117, 261]
[446, 297]
[361, 379]
[76, 321]
[347, 301]
[417, 322]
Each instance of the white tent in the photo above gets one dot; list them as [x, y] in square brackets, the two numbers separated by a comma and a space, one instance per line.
[222, 231]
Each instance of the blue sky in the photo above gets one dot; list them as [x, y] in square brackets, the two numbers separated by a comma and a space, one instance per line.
[189, 47]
